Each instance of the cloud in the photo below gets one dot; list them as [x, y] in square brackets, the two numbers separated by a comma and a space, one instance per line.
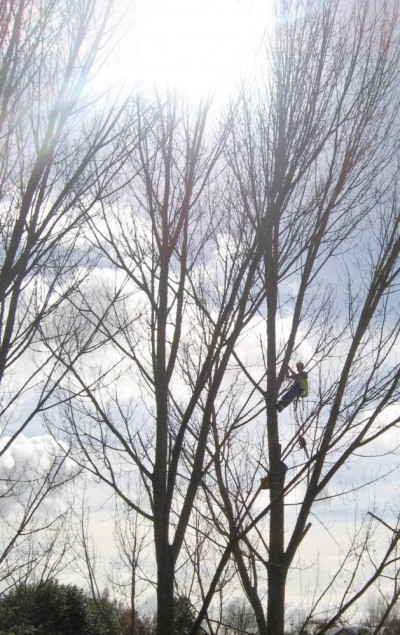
[32, 467]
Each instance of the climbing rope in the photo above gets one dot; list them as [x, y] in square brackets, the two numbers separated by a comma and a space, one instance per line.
[299, 408]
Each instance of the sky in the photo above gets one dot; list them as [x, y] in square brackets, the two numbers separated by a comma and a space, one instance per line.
[195, 47]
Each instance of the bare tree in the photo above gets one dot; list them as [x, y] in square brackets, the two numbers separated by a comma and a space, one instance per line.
[127, 576]
[171, 247]
[36, 519]
[313, 155]
[239, 619]
[60, 147]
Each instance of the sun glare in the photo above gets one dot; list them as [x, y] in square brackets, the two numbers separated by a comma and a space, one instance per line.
[194, 46]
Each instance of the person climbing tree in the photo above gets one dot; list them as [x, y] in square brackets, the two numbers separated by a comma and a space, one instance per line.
[299, 387]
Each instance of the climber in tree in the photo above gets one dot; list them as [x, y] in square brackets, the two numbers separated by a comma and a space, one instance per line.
[299, 387]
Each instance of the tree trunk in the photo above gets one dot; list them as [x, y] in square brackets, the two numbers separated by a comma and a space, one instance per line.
[165, 593]
[276, 567]
[276, 597]
[276, 572]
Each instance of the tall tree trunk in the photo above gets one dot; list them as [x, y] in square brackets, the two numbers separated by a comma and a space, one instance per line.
[165, 575]
[276, 596]
[165, 592]
[276, 567]
[276, 572]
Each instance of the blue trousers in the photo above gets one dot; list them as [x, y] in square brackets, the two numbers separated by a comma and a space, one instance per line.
[294, 391]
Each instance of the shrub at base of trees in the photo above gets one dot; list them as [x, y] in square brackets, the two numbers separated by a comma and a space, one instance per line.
[50, 608]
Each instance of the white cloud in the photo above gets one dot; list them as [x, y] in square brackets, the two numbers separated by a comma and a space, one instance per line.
[31, 465]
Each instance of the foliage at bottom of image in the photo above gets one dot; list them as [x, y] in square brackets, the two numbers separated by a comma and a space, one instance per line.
[50, 608]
